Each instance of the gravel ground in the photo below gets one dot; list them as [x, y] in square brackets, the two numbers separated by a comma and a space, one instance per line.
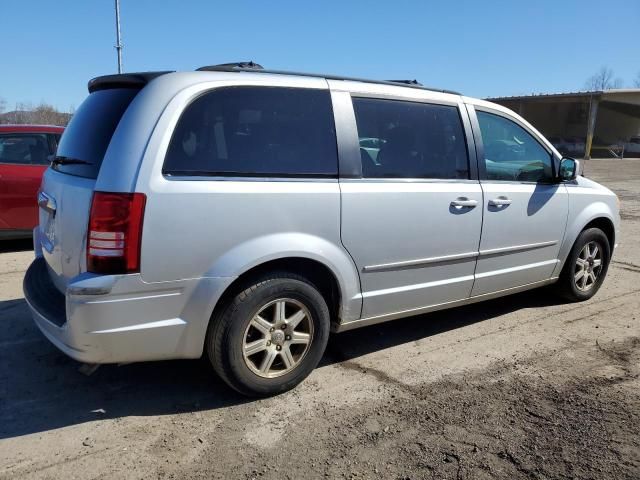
[519, 387]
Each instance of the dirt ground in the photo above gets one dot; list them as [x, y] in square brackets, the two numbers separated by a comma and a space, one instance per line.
[519, 387]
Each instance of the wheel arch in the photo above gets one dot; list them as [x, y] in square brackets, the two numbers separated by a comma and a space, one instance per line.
[324, 263]
[606, 225]
[322, 277]
[598, 216]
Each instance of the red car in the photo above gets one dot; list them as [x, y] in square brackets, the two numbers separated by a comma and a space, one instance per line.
[25, 153]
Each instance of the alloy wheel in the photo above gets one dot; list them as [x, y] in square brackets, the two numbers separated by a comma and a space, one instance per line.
[588, 266]
[277, 338]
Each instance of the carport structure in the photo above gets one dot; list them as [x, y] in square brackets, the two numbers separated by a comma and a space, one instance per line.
[602, 121]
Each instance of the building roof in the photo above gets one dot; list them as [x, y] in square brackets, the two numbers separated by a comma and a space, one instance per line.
[622, 95]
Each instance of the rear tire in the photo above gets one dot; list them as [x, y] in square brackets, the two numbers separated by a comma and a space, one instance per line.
[586, 267]
[270, 336]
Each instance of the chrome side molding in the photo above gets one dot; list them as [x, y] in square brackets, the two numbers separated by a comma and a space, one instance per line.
[419, 262]
[453, 258]
[516, 248]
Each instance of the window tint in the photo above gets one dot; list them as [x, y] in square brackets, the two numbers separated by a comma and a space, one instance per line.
[24, 148]
[401, 139]
[255, 131]
[87, 136]
[511, 153]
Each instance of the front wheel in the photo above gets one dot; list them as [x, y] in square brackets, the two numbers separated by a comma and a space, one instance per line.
[270, 336]
[586, 266]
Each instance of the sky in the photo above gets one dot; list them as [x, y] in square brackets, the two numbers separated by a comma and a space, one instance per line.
[481, 48]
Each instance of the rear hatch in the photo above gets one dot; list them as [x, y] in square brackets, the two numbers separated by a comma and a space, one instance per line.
[68, 185]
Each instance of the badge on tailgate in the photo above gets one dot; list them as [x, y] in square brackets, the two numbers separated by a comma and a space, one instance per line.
[48, 204]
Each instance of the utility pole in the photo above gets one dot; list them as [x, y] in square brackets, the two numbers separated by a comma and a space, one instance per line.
[118, 44]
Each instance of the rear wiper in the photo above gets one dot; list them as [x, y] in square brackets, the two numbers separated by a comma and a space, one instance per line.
[69, 161]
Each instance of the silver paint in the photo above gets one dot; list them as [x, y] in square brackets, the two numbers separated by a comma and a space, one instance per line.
[396, 247]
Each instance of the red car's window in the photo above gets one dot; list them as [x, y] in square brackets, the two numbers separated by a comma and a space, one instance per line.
[24, 148]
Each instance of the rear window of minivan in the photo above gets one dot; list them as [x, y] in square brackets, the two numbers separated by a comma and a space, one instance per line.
[87, 136]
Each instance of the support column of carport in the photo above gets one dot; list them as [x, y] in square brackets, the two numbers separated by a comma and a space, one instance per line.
[591, 125]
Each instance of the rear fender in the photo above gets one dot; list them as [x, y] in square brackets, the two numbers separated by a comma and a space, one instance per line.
[296, 245]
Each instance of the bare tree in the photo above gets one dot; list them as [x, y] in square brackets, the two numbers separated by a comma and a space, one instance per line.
[26, 113]
[636, 82]
[45, 114]
[603, 80]
[3, 105]
[21, 114]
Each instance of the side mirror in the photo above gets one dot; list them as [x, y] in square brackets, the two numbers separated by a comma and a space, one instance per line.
[568, 169]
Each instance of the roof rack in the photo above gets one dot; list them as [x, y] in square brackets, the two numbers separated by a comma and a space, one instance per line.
[256, 68]
[406, 82]
[226, 67]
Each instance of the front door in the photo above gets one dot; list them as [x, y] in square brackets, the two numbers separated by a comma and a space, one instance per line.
[525, 211]
[411, 220]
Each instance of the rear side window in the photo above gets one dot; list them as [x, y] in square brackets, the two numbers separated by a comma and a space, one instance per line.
[400, 139]
[86, 138]
[255, 131]
[24, 148]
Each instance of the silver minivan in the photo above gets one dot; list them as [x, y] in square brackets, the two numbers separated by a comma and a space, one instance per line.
[245, 214]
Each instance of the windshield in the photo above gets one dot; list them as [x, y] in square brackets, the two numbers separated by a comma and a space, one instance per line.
[88, 135]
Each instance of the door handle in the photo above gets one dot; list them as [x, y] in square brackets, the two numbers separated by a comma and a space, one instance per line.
[499, 202]
[464, 202]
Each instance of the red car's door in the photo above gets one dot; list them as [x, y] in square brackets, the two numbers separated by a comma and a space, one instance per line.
[18, 195]
[23, 160]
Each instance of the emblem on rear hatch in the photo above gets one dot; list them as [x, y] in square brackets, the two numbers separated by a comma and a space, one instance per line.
[48, 204]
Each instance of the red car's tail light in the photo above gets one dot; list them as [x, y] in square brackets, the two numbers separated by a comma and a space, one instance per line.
[115, 232]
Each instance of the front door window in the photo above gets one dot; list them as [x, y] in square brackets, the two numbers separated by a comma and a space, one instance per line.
[511, 153]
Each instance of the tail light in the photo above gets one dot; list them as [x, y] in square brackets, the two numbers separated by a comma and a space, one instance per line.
[115, 232]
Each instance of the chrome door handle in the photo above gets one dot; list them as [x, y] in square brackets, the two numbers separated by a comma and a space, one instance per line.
[464, 202]
[499, 202]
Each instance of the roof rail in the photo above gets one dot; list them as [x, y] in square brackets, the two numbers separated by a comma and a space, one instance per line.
[123, 80]
[225, 67]
[407, 82]
[255, 68]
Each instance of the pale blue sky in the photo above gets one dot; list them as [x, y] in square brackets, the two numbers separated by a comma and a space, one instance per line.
[481, 48]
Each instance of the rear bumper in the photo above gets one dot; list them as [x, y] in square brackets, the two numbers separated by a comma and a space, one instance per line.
[127, 321]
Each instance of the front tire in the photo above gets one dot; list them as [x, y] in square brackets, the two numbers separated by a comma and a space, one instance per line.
[270, 336]
[586, 267]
